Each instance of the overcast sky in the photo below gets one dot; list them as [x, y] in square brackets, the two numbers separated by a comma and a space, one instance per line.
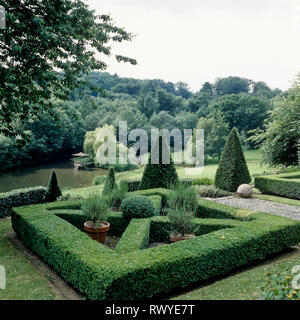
[200, 40]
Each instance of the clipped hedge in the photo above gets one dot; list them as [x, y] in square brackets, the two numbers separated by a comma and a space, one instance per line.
[135, 237]
[19, 198]
[284, 185]
[130, 273]
[100, 273]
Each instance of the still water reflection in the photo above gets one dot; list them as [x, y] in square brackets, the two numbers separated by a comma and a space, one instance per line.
[39, 176]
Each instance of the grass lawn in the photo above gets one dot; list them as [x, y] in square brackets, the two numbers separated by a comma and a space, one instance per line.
[291, 202]
[27, 278]
[252, 158]
[23, 279]
[245, 284]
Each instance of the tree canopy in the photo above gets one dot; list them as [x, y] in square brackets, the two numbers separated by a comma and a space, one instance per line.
[45, 49]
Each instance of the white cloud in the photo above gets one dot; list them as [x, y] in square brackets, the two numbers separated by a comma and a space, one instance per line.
[198, 41]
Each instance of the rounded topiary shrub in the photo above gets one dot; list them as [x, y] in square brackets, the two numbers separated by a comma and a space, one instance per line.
[138, 207]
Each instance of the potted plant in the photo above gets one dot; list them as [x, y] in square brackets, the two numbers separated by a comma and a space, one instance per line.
[182, 205]
[96, 209]
[182, 225]
[118, 194]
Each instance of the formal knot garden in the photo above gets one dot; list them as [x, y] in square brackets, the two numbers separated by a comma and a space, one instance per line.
[163, 238]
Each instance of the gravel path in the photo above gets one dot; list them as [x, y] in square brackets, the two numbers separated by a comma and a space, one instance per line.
[279, 209]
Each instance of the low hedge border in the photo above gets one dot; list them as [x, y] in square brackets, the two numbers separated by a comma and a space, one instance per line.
[280, 185]
[19, 198]
[100, 273]
[135, 237]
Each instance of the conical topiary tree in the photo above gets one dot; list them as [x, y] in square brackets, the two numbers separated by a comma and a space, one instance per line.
[233, 170]
[159, 175]
[53, 190]
[110, 182]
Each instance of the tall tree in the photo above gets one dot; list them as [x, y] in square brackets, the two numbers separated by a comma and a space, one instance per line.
[279, 139]
[45, 49]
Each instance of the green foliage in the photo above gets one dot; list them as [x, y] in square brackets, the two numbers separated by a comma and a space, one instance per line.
[95, 208]
[279, 139]
[223, 246]
[211, 192]
[119, 193]
[203, 182]
[138, 207]
[215, 130]
[285, 185]
[135, 237]
[133, 185]
[181, 221]
[99, 180]
[279, 287]
[232, 170]
[242, 111]
[232, 85]
[183, 198]
[64, 39]
[19, 198]
[159, 175]
[110, 182]
[53, 190]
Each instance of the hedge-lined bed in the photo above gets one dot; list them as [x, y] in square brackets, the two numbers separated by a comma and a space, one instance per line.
[286, 185]
[97, 272]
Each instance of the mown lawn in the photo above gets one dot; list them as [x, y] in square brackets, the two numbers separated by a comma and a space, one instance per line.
[282, 200]
[252, 157]
[23, 280]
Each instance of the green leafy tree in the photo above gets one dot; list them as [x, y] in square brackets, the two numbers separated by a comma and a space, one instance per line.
[53, 190]
[44, 51]
[278, 141]
[232, 170]
[243, 111]
[215, 132]
[110, 183]
[232, 85]
[159, 175]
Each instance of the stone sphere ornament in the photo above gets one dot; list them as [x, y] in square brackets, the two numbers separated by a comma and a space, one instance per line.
[245, 191]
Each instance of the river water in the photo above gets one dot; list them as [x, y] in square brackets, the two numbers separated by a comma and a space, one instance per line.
[39, 176]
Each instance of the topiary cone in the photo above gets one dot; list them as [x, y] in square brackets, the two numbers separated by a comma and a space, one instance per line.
[110, 182]
[53, 190]
[159, 175]
[232, 170]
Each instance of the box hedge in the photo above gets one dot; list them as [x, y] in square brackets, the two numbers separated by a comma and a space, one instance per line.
[19, 198]
[100, 273]
[285, 185]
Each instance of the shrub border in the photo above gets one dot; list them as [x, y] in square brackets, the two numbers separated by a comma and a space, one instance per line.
[100, 273]
[279, 185]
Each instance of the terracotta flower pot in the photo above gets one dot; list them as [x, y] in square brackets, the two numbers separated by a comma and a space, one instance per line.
[99, 233]
[179, 237]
